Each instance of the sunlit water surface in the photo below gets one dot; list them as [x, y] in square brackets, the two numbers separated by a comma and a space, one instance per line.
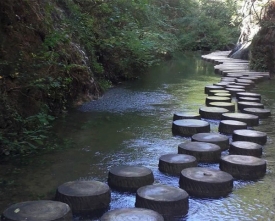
[131, 124]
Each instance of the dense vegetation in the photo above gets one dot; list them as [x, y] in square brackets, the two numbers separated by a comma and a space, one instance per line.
[59, 53]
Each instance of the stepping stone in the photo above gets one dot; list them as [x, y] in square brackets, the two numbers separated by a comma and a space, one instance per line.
[216, 99]
[243, 167]
[206, 182]
[84, 196]
[247, 94]
[189, 127]
[212, 92]
[135, 214]
[234, 91]
[42, 210]
[260, 112]
[164, 199]
[175, 163]
[228, 126]
[255, 79]
[228, 79]
[235, 86]
[211, 87]
[227, 105]
[245, 148]
[186, 115]
[250, 99]
[222, 84]
[215, 138]
[250, 135]
[250, 119]
[129, 178]
[249, 104]
[245, 81]
[204, 152]
[247, 86]
[214, 113]
[223, 95]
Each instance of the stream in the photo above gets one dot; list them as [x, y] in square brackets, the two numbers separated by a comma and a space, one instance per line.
[131, 125]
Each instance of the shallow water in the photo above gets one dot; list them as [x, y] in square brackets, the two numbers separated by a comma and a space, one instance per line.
[131, 124]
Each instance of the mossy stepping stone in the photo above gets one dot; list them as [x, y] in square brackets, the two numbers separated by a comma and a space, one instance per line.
[188, 127]
[42, 210]
[84, 197]
[175, 163]
[250, 119]
[204, 152]
[211, 87]
[245, 148]
[186, 115]
[135, 214]
[260, 112]
[206, 182]
[228, 126]
[249, 104]
[234, 91]
[227, 105]
[221, 140]
[243, 167]
[214, 113]
[164, 199]
[129, 178]
[216, 99]
[248, 94]
[253, 99]
[250, 135]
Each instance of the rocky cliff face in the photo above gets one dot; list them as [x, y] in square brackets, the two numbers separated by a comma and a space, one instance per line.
[252, 12]
[262, 53]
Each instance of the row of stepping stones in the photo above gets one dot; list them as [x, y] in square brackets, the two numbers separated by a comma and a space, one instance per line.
[158, 201]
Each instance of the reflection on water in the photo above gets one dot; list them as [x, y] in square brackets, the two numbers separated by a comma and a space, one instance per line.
[131, 125]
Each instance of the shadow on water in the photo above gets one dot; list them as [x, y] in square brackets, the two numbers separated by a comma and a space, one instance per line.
[131, 124]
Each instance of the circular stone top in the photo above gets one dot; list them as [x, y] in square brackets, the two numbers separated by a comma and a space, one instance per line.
[177, 158]
[246, 145]
[223, 94]
[187, 115]
[218, 91]
[206, 175]
[42, 210]
[214, 109]
[234, 89]
[208, 137]
[130, 171]
[199, 146]
[222, 104]
[250, 133]
[244, 160]
[256, 110]
[83, 188]
[240, 116]
[132, 214]
[160, 192]
[234, 122]
[251, 103]
[218, 98]
[247, 94]
[236, 86]
[221, 83]
[249, 98]
[245, 81]
[190, 123]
